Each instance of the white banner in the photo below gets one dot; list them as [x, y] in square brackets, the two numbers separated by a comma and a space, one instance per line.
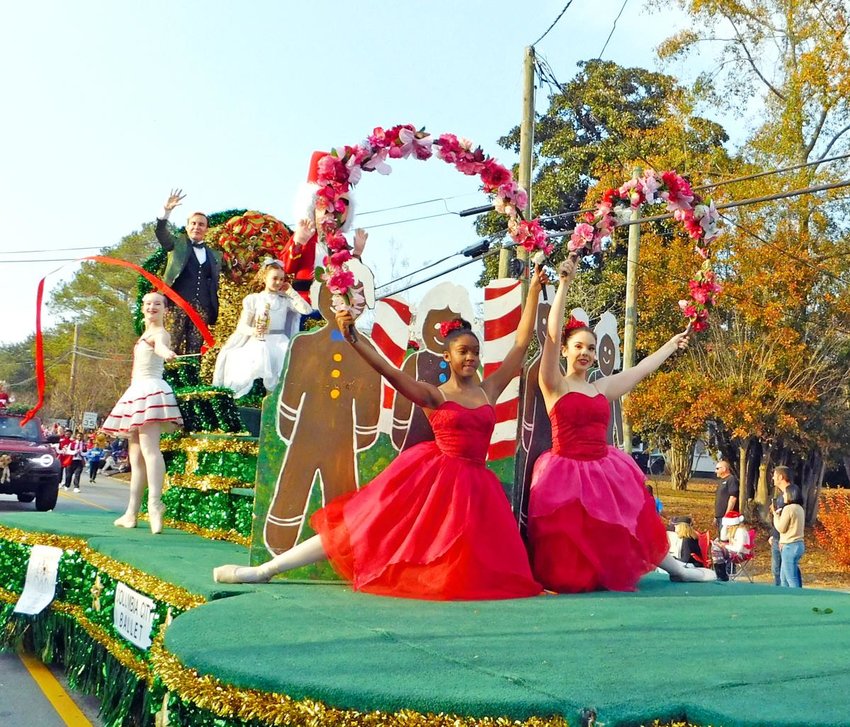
[40, 585]
[133, 615]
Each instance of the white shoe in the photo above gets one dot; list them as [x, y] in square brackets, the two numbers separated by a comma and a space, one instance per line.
[239, 574]
[127, 520]
[76, 489]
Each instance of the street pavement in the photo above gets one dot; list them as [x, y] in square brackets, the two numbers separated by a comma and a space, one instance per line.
[30, 694]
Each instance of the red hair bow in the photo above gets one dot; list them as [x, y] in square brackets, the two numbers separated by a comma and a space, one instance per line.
[446, 327]
[574, 323]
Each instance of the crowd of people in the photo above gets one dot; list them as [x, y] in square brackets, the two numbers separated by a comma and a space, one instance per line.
[93, 452]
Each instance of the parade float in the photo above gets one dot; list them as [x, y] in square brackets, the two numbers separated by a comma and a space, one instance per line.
[137, 620]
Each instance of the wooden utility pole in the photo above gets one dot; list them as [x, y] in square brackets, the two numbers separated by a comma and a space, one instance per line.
[526, 148]
[73, 382]
[630, 326]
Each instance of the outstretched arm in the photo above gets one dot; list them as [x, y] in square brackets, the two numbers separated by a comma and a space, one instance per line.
[161, 343]
[550, 370]
[613, 387]
[495, 384]
[163, 235]
[425, 395]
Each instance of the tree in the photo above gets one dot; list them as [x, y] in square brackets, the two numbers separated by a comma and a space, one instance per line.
[786, 265]
[99, 300]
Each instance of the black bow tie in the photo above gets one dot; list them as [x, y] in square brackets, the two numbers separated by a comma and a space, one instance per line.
[197, 245]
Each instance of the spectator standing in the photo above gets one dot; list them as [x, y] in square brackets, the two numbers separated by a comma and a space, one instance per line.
[790, 523]
[726, 497]
[94, 456]
[74, 451]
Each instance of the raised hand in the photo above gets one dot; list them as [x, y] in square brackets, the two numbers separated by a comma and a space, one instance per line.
[360, 237]
[539, 279]
[304, 229]
[567, 269]
[345, 322]
[680, 340]
[174, 199]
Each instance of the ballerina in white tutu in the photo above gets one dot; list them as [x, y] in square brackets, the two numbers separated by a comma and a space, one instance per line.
[144, 411]
[258, 346]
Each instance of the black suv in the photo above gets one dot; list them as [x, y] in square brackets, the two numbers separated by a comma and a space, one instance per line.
[34, 469]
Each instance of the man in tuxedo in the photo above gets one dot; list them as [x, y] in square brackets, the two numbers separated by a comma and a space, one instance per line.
[192, 270]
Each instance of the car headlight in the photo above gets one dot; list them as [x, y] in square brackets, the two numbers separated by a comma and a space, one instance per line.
[45, 460]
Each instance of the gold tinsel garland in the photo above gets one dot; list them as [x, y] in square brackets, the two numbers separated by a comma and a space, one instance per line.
[272, 708]
[202, 444]
[205, 483]
[121, 653]
[229, 535]
[139, 580]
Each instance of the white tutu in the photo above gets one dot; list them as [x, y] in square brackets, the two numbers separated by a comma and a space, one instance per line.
[146, 401]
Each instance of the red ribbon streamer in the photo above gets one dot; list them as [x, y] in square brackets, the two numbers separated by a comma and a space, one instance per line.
[151, 278]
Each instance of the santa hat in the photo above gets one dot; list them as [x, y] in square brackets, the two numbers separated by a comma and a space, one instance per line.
[732, 518]
[304, 204]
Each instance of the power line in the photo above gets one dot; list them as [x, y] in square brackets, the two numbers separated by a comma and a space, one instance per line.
[613, 28]
[554, 22]
[55, 249]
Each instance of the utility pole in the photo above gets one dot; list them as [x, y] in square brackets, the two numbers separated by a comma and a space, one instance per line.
[73, 383]
[526, 147]
[630, 326]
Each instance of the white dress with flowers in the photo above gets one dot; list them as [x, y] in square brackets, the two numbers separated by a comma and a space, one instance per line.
[244, 357]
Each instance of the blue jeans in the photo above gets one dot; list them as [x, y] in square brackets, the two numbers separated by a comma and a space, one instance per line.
[789, 571]
[775, 561]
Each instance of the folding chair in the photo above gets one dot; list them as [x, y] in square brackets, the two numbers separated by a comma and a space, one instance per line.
[705, 546]
[740, 564]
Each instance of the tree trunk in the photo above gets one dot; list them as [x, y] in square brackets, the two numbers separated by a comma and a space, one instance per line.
[680, 458]
[811, 481]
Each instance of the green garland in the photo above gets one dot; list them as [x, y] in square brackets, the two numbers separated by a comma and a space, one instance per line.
[216, 514]
[183, 372]
[208, 409]
[90, 667]
[241, 467]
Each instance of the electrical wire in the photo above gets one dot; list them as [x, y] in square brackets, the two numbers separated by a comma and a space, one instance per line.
[613, 28]
[554, 22]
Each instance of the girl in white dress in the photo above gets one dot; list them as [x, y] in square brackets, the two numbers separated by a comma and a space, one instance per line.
[146, 409]
[257, 348]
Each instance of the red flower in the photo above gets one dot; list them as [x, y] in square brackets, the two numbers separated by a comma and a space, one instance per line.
[446, 327]
[494, 175]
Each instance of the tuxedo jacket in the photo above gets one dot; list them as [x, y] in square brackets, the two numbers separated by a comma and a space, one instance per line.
[179, 249]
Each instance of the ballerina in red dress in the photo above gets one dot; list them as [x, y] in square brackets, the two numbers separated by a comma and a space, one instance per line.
[592, 523]
[435, 524]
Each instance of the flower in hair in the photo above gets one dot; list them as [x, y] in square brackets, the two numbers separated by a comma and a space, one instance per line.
[574, 323]
[446, 327]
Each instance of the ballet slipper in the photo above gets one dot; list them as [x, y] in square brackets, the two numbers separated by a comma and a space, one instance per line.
[156, 510]
[239, 574]
[127, 520]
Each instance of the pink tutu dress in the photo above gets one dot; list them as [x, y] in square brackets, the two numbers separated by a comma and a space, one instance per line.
[592, 524]
[148, 399]
[435, 524]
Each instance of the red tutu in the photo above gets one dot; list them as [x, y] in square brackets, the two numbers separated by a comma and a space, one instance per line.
[435, 524]
[592, 524]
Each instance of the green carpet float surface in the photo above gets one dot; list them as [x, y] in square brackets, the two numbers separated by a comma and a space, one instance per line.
[318, 653]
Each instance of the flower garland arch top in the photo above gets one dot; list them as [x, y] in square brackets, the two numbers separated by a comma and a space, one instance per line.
[698, 216]
[343, 167]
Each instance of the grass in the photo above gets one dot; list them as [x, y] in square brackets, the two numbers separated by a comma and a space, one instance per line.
[818, 567]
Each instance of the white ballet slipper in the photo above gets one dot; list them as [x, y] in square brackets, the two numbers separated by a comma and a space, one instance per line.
[127, 520]
[239, 574]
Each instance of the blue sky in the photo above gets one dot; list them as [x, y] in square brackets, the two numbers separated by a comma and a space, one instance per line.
[110, 104]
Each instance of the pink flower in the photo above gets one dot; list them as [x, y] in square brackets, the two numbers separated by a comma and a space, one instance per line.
[494, 175]
[340, 281]
[688, 309]
[337, 259]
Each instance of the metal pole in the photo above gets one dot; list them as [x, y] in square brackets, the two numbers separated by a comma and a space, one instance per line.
[73, 382]
[629, 329]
